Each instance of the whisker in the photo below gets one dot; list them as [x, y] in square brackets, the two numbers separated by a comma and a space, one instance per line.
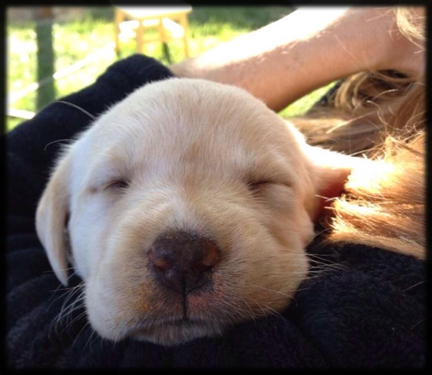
[93, 336]
[413, 286]
[80, 316]
[57, 141]
[250, 310]
[275, 291]
[77, 107]
[74, 307]
[66, 310]
[79, 333]
[68, 290]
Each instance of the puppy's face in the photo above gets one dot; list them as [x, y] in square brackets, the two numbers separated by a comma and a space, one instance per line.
[188, 207]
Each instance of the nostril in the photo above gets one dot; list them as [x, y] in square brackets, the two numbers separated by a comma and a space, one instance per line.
[200, 267]
[209, 259]
[160, 263]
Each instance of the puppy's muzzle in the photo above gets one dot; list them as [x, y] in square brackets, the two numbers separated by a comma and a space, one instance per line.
[183, 261]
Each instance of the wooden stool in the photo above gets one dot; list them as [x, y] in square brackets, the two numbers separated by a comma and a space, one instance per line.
[146, 17]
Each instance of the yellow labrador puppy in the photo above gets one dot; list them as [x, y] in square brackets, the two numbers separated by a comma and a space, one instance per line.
[186, 208]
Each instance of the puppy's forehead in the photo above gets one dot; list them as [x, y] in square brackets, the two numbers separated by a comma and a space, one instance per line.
[190, 119]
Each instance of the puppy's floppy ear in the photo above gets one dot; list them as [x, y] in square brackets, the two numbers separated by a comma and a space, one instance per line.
[330, 171]
[51, 217]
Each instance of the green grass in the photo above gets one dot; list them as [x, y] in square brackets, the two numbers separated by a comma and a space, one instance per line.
[75, 40]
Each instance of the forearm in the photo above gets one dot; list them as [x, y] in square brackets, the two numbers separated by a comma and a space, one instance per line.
[301, 52]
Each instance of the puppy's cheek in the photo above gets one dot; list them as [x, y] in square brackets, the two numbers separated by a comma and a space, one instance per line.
[90, 226]
[274, 289]
[265, 270]
[117, 299]
[280, 263]
[305, 226]
[102, 313]
[285, 215]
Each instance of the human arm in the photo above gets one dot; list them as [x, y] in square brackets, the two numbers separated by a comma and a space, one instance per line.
[307, 49]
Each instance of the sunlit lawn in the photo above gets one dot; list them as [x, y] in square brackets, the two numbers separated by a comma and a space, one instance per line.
[77, 39]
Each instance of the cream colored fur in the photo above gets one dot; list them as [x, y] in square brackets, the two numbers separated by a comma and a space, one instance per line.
[190, 151]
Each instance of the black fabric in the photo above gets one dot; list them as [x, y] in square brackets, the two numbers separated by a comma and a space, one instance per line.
[365, 309]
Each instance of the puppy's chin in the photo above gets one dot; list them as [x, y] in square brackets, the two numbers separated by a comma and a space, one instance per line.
[173, 329]
[178, 332]
[168, 331]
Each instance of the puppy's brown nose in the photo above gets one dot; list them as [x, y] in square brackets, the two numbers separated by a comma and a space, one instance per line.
[183, 261]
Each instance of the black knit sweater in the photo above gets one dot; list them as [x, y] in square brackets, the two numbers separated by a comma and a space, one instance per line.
[369, 312]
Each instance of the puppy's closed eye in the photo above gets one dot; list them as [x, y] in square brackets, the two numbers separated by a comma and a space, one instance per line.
[116, 185]
[255, 186]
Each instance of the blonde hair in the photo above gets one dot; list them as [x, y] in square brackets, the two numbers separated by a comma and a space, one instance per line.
[382, 116]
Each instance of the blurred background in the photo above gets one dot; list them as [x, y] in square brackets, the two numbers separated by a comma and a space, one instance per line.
[54, 51]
